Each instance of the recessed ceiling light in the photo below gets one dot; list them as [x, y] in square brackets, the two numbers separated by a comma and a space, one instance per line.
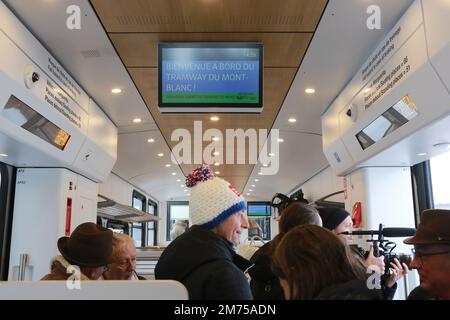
[366, 90]
[3, 155]
[256, 180]
[216, 153]
[248, 194]
[167, 165]
[250, 190]
[253, 185]
[215, 139]
[217, 172]
[260, 173]
[174, 173]
[271, 154]
[116, 90]
[137, 120]
[421, 154]
[160, 154]
[310, 90]
[214, 118]
[442, 145]
[280, 140]
[185, 190]
[182, 185]
[151, 140]
[292, 120]
[265, 165]
[178, 180]
[217, 164]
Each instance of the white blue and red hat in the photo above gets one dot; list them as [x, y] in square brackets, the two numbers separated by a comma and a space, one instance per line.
[213, 200]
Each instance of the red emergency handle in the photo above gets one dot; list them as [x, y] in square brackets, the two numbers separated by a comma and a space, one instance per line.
[68, 216]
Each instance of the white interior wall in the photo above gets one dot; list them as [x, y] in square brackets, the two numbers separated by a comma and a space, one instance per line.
[322, 184]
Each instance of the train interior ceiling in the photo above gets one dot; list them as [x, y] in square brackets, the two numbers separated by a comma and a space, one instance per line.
[113, 157]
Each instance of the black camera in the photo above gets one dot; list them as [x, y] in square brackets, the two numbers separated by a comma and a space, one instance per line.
[384, 247]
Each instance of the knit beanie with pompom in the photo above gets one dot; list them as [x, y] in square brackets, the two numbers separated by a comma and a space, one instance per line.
[212, 199]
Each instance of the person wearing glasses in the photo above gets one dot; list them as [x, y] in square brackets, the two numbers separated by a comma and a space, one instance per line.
[85, 255]
[432, 253]
[123, 266]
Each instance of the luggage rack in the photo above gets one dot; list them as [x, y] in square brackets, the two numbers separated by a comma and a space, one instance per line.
[109, 209]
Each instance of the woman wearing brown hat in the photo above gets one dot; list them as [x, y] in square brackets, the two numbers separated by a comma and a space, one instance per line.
[89, 248]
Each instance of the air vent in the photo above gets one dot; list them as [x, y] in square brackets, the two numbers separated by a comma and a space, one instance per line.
[90, 54]
[266, 20]
[153, 20]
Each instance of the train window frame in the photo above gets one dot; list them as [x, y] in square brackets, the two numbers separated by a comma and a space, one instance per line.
[151, 203]
[140, 226]
[169, 224]
[439, 174]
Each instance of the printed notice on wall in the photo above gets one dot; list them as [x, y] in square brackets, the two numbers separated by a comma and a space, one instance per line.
[61, 77]
[405, 62]
[61, 102]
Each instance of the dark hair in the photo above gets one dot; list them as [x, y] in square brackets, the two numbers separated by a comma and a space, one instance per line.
[295, 214]
[311, 258]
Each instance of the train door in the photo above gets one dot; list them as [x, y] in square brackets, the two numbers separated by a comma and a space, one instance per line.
[7, 182]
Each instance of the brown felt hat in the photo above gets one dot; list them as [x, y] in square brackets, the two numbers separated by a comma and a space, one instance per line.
[434, 228]
[89, 245]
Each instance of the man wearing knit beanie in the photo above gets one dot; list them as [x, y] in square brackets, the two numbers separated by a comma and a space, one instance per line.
[203, 258]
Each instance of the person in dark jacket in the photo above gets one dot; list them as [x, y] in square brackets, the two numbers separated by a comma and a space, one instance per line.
[264, 283]
[203, 258]
[312, 263]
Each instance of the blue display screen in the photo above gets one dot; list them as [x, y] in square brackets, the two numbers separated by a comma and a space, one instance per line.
[257, 209]
[210, 74]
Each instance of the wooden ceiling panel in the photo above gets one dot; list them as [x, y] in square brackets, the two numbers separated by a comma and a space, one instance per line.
[209, 15]
[284, 27]
[280, 49]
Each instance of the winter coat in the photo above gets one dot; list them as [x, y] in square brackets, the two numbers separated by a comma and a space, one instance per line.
[352, 290]
[264, 284]
[206, 265]
[58, 270]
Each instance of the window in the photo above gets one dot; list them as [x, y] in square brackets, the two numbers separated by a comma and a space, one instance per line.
[177, 211]
[440, 179]
[152, 227]
[259, 227]
[139, 202]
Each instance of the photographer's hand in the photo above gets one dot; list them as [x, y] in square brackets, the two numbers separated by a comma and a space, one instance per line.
[375, 263]
[397, 271]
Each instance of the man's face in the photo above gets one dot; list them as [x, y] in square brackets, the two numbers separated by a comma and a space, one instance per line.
[231, 228]
[124, 263]
[433, 264]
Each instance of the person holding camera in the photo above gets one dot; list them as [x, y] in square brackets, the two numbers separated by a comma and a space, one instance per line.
[339, 221]
[432, 254]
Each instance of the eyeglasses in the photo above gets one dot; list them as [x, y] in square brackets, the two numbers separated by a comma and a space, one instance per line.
[420, 256]
[125, 262]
